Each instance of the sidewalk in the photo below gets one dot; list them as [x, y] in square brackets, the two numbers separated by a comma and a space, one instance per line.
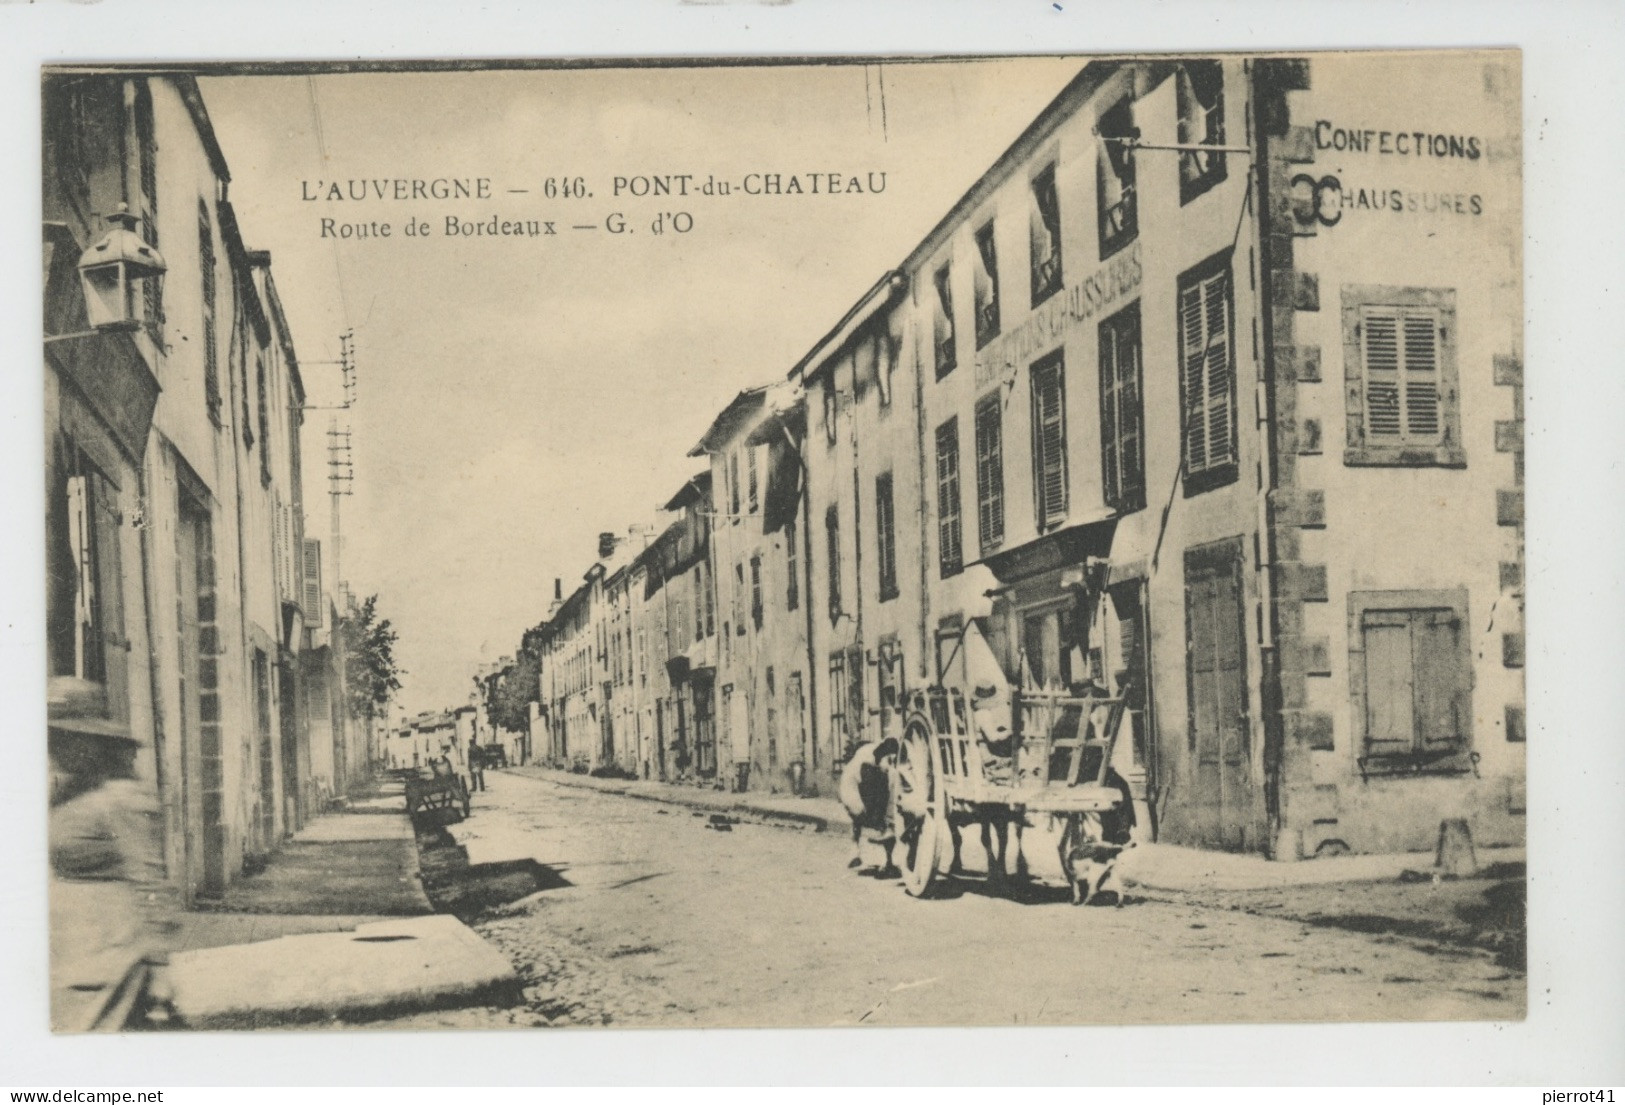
[1148, 866]
[336, 925]
[817, 814]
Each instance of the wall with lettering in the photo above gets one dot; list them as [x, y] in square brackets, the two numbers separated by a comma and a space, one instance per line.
[1413, 188]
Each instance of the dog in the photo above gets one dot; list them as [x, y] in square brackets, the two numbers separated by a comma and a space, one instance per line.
[865, 793]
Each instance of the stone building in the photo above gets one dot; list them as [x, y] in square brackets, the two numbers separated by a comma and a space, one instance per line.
[174, 517]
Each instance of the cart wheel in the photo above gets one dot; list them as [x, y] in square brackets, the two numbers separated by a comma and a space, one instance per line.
[917, 814]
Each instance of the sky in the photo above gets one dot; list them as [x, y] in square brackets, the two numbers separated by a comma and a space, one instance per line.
[517, 396]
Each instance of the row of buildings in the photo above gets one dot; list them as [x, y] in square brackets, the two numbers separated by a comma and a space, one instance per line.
[1213, 377]
[180, 579]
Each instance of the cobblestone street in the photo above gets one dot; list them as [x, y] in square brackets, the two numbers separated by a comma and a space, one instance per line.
[625, 912]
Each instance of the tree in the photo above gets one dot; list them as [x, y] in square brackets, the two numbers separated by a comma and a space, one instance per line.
[370, 671]
[509, 693]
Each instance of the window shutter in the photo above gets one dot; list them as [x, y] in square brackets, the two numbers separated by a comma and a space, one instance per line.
[1111, 457]
[1049, 443]
[1402, 375]
[1130, 415]
[1382, 374]
[989, 473]
[1389, 682]
[950, 552]
[1421, 376]
[1436, 641]
[1216, 296]
[1209, 375]
[313, 582]
[1194, 393]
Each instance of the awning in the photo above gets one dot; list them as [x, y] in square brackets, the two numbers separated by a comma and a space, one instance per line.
[1066, 547]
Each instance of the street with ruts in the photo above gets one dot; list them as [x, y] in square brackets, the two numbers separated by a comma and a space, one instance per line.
[615, 909]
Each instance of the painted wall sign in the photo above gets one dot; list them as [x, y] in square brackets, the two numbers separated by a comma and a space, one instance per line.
[1323, 201]
[1399, 143]
[1047, 325]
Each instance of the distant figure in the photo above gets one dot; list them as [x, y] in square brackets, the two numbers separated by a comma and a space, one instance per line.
[865, 793]
[476, 767]
[451, 763]
[111, 910]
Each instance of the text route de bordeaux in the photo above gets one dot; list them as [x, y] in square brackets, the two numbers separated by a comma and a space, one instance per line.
[476, 189]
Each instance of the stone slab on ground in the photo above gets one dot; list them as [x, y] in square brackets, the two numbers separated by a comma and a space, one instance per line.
[195, 931]
[384, 968]
[368, 876]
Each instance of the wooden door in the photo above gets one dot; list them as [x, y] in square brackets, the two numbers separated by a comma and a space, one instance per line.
[1223, 795]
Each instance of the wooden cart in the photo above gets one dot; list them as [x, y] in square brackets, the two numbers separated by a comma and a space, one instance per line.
[946, 777]
[437, 796]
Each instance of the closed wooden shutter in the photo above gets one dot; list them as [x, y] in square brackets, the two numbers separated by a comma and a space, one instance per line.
[886, 535]
[1437, 645]
[950, 551]
[1121, 414]
[1390, 688]
[1049, 442]
[1401, 365]
[989, 472]
[1208, 374]
[313, 583]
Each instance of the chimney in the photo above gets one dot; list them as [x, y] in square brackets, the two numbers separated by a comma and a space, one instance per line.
[558, 589]
[606, 546]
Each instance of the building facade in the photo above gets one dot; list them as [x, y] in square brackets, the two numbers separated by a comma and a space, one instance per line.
[177, 568]
[1183, 398]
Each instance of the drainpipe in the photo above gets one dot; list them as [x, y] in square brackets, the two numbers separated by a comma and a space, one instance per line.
[1270, 681]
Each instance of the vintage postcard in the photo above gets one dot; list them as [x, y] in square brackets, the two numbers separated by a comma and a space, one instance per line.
[785, 543]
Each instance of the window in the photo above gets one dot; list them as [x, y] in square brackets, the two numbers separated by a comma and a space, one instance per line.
[739, 599]
[772, 718]
[85, 606]
[1410, 678]
[950, 548]
[211, 352]
[891, 348]
[947, 353]
[1122, 412]
[750, 465]
[1045, 230]
[831, 407]
[985, 286]
[792, 582]
[886, 536]
[710, 589]
[837, 702]
[1114, 180]
[832, 537]
[263, 377]
[733, 484]
[990, 472]
[699, 601]
[756, 591]
[1049, 441]
[1201, 122]
[146, 132]
[1401, 404]
[1207, 376]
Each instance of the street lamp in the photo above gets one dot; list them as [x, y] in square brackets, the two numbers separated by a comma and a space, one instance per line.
[108, 272]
